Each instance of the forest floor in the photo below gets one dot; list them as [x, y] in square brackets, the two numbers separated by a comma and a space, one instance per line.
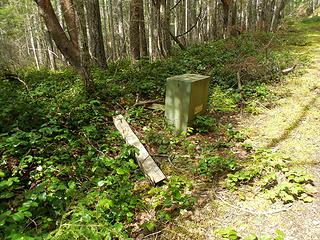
[249, 165]
[290, 128]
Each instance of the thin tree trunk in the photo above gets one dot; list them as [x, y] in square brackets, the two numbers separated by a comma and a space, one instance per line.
[52, 57]
[142, 31]
[122, 33]
[111, 28]
[34, 49]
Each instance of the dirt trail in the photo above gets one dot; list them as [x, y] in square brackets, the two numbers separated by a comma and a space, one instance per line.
[291, 128]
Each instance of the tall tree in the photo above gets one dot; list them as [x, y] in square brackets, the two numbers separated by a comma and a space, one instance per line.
[95, 33]
[226, 9]
[138, 42]
[134, 29]
[162, 12]
[69, 15]
[66, 46]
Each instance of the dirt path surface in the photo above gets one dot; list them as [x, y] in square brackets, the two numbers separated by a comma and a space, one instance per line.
[292, 128]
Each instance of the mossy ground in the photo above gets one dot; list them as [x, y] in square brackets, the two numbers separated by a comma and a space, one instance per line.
[290, 128]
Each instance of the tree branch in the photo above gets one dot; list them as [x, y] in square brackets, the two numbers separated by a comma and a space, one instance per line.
[175, 5]
[176, 39]
[194, 25]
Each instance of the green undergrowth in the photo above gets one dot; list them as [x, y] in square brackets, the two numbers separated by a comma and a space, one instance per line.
[66, 173]
[274, 175]
[229, 233]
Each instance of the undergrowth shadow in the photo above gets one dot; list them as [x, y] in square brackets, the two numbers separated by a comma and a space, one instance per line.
[295, 124]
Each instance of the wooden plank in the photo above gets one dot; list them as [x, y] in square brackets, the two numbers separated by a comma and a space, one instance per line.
[144, 159]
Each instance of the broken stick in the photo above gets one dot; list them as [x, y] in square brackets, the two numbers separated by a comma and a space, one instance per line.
[145, 161]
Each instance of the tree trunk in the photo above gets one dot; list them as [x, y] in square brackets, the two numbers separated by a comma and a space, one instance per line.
[69, 15]
[111, 28]
[70, 52]
[279, 12]
[134, 29]
[95, 33]
[84, 51]
[142, 31]
[226, 10]
[66, 47]
[122, 33]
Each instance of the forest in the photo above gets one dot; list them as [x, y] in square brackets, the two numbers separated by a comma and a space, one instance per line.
[70, 68]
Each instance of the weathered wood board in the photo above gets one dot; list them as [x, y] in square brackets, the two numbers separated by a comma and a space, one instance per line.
[144, 159]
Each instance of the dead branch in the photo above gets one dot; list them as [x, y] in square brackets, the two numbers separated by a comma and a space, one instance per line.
[147, 102]
[288, 70]
[152, 234]
[180, 44]
[176, 5]
[194, 25]
[15, 77]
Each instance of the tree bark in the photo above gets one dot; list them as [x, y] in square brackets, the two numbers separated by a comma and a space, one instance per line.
[111, 28]
[95, 33]
[142, 31]
[66, 47]
[70, 52]
[122, 33]
[226, 9]
[134, 29]
[69, 15]
[279, 12]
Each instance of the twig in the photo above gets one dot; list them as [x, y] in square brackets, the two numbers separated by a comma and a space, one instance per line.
[147, 102]
[34, 222]
[91, 144]
[24, 83]
[176, 39]
[152, 234]
[13, 76]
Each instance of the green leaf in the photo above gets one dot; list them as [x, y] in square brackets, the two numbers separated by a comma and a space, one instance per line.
[280, 235]
[150, 226]
[251, 237]
[121, 171]
[6, 195]
[265, 237]
[3, 217]
[30, 204]
[18, 216]
[118, 227]
[100, 183]
[308, 199]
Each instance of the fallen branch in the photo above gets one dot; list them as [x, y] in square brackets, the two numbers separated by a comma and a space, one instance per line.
[288, 70]
[151, 234]
[15, 77]
[147, 102]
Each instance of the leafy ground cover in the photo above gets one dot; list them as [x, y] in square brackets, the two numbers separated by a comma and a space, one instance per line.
[66, 173]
